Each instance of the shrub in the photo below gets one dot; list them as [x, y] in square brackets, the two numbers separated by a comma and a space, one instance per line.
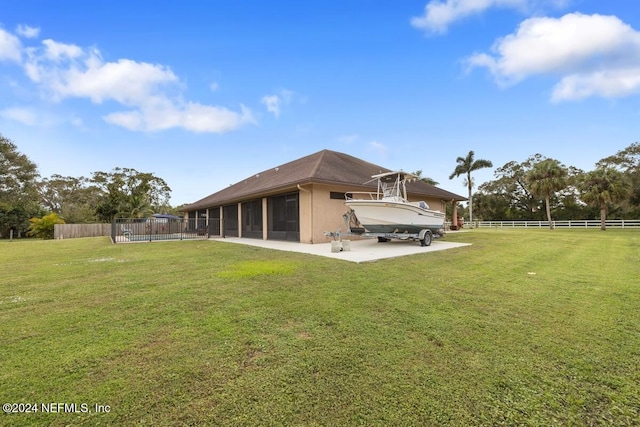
[44, 227]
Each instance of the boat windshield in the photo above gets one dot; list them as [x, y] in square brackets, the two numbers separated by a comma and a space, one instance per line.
[393, 188]
[389, 191]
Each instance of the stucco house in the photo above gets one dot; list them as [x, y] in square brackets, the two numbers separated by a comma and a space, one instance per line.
[298, 201]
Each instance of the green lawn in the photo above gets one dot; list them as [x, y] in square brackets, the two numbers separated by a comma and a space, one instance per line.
[531, 327]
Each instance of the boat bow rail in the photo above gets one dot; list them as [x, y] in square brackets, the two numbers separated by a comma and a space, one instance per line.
[360, 195]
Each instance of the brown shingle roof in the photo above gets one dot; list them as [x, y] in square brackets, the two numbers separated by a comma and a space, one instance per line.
[323, 167]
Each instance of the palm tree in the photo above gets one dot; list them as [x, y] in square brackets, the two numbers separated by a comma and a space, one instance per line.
[603, 186]
[466, 165]
[426, 179]
[546, 178]
[136, 206]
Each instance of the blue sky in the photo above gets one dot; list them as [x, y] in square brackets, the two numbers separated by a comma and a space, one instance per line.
[206, 93]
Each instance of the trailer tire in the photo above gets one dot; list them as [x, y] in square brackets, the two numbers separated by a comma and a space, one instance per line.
[427, 238]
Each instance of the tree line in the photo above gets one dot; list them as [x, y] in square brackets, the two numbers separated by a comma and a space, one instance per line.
[29, 202]
[541, 188]
[538, 188]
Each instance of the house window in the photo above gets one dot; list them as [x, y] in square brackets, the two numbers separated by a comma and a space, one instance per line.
[337, 196]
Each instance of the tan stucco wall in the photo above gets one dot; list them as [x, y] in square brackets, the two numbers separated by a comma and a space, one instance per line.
[327, 212]
[434, 204]
[265, 219]
[305, 203]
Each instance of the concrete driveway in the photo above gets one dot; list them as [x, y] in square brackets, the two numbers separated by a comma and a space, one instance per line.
[361, 250]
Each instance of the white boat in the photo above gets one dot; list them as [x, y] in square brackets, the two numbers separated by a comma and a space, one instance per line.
[389, 211]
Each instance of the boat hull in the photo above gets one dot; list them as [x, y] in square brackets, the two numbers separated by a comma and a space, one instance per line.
[380, 216]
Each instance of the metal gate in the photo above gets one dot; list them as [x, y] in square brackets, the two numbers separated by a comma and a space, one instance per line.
[124, 230]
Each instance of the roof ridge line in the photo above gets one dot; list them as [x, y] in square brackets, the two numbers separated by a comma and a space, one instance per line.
[318, 163]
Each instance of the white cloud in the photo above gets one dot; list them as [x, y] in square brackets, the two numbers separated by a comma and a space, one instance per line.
[27, 31]
[191, 116]
[10, 47]
[61, 51]
[31, 116]
[125, 81]
[438, 14]
[150, 92]
[23, 115]
[209, 118]
[214, 86]
[379, 148]
[274, 103]
[608, 84]
[591, 54]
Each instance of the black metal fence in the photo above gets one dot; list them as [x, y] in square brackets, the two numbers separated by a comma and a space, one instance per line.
[157, 229]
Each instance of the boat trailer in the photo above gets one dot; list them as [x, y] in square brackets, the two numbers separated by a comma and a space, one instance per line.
[425, 236]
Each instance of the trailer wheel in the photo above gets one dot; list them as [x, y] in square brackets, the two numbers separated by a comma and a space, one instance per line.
[427, 239]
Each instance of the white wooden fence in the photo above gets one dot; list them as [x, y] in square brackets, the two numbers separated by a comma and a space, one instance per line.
[580, 223]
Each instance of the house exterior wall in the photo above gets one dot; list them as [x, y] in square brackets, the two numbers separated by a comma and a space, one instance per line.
[434, 204]
[305, 206]
[318, 212]
[327, 213]
[265, 219]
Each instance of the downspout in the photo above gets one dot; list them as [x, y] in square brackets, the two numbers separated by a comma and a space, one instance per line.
[311, 207]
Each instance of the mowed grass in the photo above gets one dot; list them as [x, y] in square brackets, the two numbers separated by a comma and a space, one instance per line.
[531, 327]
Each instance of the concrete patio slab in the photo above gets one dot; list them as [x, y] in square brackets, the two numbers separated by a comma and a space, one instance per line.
[365, 250]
